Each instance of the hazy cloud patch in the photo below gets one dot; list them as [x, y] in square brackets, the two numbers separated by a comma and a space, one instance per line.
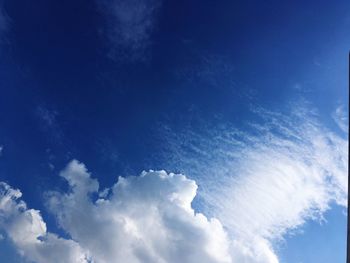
[341, 118]
[128, 26]
[48, 122]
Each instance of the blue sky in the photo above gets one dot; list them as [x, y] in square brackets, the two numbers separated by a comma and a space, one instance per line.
[249, 100]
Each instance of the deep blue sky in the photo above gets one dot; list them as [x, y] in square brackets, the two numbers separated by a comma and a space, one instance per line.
[65, 93]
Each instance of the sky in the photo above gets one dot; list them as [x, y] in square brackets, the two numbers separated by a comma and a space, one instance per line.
[173, 131]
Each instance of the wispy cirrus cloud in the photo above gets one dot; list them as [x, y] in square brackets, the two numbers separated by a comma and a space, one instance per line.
[255, 185]
[341, 118]
[128, 26]
[265, 180]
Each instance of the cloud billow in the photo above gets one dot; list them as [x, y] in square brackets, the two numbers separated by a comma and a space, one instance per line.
[140, 219]
[255, 186]
[27, 230]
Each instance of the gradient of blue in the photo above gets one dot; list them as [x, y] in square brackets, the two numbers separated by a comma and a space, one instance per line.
[206, 57]
[319, 242]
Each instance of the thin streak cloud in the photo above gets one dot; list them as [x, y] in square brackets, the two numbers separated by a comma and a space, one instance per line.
[254, 188]
[266, 181]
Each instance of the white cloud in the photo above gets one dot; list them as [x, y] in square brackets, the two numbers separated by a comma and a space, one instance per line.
[259, 185]
[129, 24]
[144, 219]
[147, 218]
[266, 182]
[27, 230]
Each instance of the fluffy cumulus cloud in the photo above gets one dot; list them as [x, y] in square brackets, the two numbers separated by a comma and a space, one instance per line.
[27, 230]
[147, 218]
[140, 219]
[255, 186]
[128, 25]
